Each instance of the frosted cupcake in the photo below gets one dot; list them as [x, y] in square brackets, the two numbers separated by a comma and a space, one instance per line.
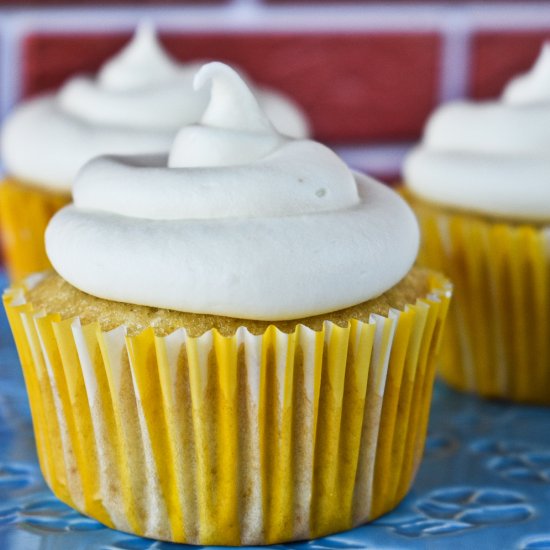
[235, 348]
[135, 104]
[480, 185]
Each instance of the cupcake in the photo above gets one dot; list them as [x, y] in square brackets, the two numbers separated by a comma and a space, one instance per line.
[136, 104]
[480, 185]
[235, 347]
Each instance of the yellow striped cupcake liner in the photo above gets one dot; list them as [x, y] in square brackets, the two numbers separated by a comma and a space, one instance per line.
[497, 343]
[248, 439]
[24, 214]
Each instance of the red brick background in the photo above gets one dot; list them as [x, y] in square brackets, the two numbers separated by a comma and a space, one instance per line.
[497, 56]
[354, 87]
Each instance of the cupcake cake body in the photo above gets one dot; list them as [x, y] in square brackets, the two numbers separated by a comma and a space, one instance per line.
[245, 354]
[134, 105]
[480, 185]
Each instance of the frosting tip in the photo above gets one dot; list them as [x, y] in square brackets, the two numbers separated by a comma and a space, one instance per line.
[208, 72]
[532, 86]
[232, 104]
[142, 62]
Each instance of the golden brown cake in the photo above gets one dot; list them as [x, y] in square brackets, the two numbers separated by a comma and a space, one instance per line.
[55, 295]
[299, 433]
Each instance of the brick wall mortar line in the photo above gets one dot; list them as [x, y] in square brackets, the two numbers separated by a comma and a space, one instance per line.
[455, 57]
[10, 64]
[376, 158]
[509, 17]
[247, 4]
[237, 16]
[254, 15]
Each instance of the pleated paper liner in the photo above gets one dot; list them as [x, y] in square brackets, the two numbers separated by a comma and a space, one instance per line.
[497, 343]
[231, 440]
[24, 214]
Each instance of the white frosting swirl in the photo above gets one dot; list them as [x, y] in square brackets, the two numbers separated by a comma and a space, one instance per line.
[490, 157]
[239, 221]
[141, 88]
[533, 86]
[135, 105]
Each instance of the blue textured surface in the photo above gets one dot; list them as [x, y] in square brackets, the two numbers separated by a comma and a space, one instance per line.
[484, 482]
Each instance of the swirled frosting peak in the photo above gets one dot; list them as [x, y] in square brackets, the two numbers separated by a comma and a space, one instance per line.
[241, 221]
[142, 63]
[141, 87]
[233, 129]
[534, 85]
[492, 157]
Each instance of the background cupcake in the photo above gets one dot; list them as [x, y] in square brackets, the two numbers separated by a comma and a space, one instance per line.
[480, 184]
[135, 104]
[238, 349]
